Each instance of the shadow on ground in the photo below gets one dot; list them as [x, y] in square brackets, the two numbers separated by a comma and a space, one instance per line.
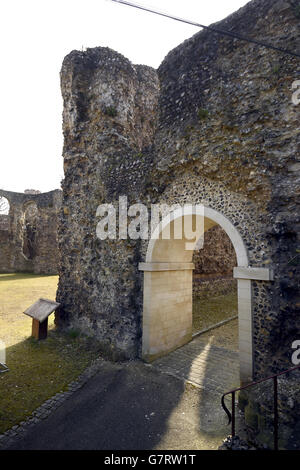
[132, 406]
[23, 275]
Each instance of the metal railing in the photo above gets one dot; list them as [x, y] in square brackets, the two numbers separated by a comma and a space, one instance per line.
[231, 416]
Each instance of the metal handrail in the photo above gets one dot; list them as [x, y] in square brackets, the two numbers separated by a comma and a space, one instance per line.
[231, 416]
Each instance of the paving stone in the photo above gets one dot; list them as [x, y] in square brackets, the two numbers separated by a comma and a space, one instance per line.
[217, 370]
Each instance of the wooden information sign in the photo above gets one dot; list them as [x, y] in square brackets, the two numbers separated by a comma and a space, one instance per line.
[39, 312]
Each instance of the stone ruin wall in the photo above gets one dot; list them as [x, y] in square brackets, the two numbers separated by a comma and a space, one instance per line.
[40, 211]
[214, 263]
[5, 245]
[214, 125]
[110, 114]
[216, 120]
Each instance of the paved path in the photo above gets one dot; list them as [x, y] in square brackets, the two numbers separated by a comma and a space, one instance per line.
[210, 367]
[132, 406]
[138, 406]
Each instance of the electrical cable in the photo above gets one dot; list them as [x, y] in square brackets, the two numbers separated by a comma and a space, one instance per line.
[209, 28]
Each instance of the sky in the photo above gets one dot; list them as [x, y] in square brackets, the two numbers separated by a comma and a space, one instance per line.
[35, 37]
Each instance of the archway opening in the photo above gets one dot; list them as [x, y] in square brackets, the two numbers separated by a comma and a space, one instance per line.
[4, 206]
[215, 306]
[168, 292]
[4, 214]
[29, 234]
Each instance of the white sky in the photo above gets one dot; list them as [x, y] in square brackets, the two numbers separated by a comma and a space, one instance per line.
[36, 35]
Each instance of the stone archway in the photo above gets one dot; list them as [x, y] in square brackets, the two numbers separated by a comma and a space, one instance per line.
[167, 304]
[4, 206]
[29, 230]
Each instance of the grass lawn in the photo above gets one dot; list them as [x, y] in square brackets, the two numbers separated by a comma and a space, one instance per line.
[225, 336]
[38, 370]
[212, 310]
[209, 311]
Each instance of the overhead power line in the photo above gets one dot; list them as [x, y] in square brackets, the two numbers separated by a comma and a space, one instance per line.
[209, 28]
